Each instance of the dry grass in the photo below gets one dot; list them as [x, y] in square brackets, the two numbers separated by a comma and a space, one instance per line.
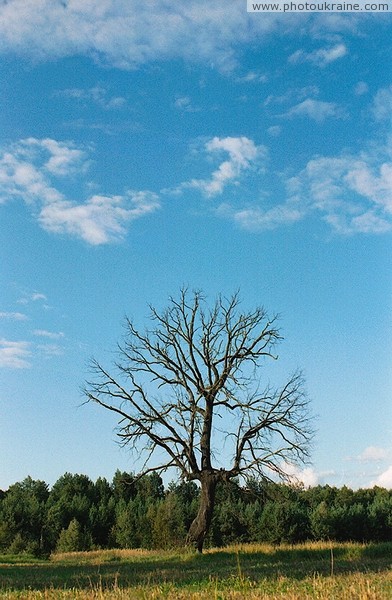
[102, 556]
[305, 572]
[344, 587]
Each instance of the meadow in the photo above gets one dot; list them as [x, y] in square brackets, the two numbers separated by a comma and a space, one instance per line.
[313, 570]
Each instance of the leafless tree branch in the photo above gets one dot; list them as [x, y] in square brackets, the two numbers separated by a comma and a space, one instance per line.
[197, 364]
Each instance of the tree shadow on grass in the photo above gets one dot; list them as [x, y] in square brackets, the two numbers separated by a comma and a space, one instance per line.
[186, 569]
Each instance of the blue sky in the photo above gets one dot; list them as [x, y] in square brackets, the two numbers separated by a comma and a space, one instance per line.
[148, 146]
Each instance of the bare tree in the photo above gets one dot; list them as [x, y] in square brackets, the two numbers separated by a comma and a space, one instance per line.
[188, 395]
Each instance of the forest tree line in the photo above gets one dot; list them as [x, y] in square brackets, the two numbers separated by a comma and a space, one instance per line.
[130, 512]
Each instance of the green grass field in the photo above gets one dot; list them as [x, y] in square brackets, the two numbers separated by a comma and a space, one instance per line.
[337, 571]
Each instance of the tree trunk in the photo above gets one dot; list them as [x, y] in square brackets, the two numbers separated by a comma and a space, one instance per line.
[201, 524]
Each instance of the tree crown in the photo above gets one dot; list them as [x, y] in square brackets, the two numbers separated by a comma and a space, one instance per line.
[188, 390]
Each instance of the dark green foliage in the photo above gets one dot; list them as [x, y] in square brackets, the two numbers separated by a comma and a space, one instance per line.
[168, 523]
[187, 493]
[71, 539]
[285, 521]
[71, 497]
[137, 512]
[229, 524]
[380, 516]
[23, 514]
[123, 486]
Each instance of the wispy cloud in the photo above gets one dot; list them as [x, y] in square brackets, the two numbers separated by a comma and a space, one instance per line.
[292, 95]
[37, 296]
[274, 130]
[28, 297]
[97, 94]
[129, 34]
[321, 57]
[382, 104]
[31, 170]
[52, 335]
[111, 127]
[306, 476]
[20, 354]
[354, 193]
[14, 316]
[361, 88]
[99, 220]
[372, 454]
[126, 37]
[316, 110]
[14, 355]
[26, 169]
[184, 104]
[351, 192]
[252, 77]
[384, 479]
[306, 104]
[259, 219]
[242, 153]
[50, 350]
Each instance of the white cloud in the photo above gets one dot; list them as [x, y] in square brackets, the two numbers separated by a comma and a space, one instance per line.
[252, 77]
[354, 193]
[20, 178]
[368, 222]
[96, 94]
[372, 184]
[306, 104]
[184, 103]
[101, 219]
[351, 192]
[274, 130]
[321, 57]
[372, 454]
[31, 297]
[292, 95]
[15, 316]
[382, 104]
[64, 159]
[48, 334]
[259, 219]
[243, 154]
[127, 33]
[317, 110]
[38, 296]
[108, 127]
[14, 355]
[385, 479]
[30, 170]
[26, 169]
[307, 476]
[49, 350]
[361, 88]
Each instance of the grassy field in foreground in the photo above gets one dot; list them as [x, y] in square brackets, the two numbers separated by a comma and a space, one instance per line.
[324, 571]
